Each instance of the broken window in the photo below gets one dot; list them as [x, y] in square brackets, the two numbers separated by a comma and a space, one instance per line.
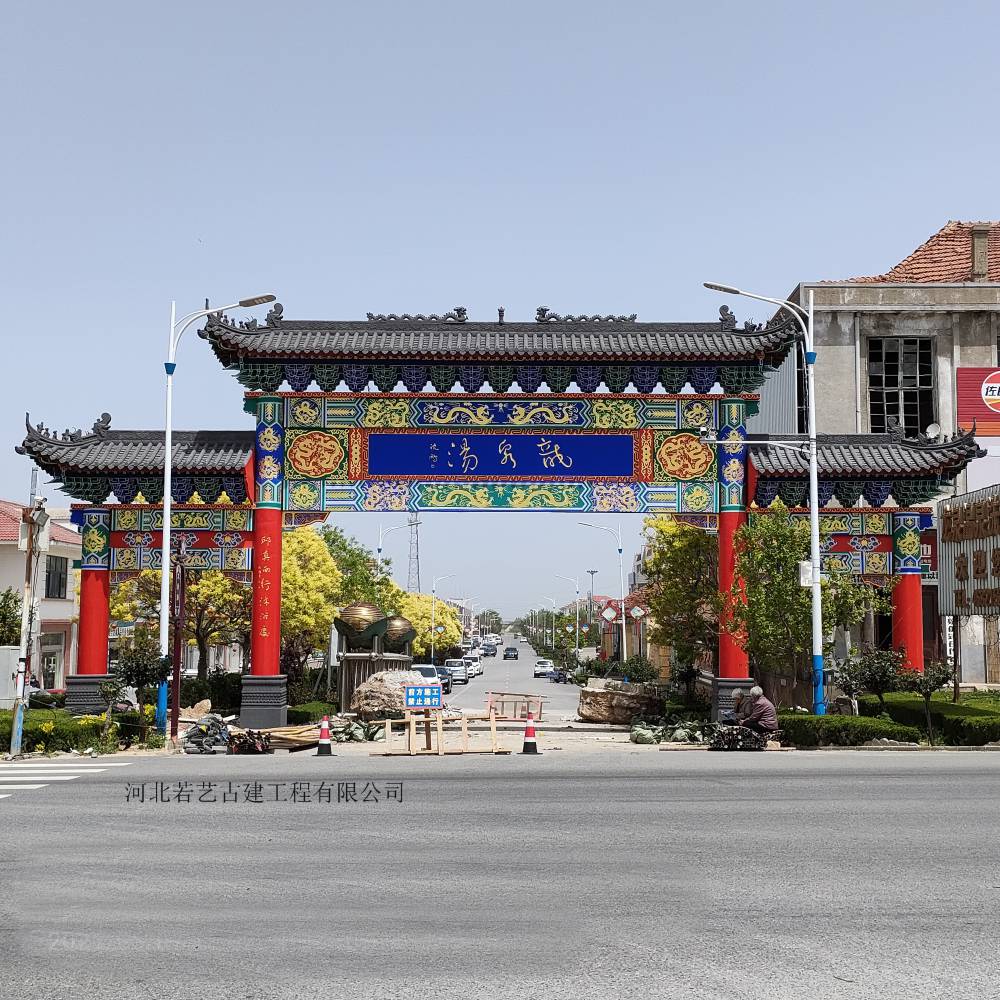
[901, 384]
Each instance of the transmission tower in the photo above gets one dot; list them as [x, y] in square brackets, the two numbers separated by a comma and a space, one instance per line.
[413, 576]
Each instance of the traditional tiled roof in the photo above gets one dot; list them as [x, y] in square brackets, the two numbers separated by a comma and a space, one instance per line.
[10, 526]
[946, 257]
[859, 456]
[451, 338]
[105, 451]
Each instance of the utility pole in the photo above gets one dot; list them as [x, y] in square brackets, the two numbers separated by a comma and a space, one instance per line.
[413, 576]
[33, 521]
[590, 618]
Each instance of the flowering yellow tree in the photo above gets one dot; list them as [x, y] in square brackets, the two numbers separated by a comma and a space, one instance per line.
[417, 608]
[310, 589]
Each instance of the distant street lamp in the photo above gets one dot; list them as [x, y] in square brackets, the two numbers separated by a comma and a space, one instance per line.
[575, 580]
[804, 318]
[621, 574]
[554, 604]
[434, 584]
[382, 532]
[177, 328]
[590, 613]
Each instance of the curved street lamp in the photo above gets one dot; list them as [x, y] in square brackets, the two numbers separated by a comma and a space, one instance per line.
[804, 319]
[177, 328]
[621, 575]
[434, 585]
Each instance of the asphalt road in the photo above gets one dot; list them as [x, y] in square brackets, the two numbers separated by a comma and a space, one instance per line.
[630, 874]
[516, 676]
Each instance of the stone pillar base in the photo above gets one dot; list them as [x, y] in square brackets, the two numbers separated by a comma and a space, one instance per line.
[263, 702]
[83, 695]
[722, 692]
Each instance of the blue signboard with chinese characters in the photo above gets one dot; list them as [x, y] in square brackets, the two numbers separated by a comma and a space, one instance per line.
[423, 696]
[502, 456]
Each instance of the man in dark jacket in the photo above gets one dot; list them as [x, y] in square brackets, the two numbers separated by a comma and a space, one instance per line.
[762, 717]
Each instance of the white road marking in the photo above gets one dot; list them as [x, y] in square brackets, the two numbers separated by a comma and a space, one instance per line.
[69, 763]
[34, 775]
[4, 796]
[19, 788]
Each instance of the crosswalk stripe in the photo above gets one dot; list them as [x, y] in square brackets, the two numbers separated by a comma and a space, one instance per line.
[77, 772]
[69, 763]
[35, 775]
[19, 788]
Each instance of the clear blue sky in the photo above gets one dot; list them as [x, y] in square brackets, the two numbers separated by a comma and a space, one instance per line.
[414, 156]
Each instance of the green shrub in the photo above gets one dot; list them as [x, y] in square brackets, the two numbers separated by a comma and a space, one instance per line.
[840, 730]
[52, 731]
[311, 711]
[963, 724]
[222, 689]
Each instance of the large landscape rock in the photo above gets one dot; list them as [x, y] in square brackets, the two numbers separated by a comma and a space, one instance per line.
[617, 707]
[384, 694]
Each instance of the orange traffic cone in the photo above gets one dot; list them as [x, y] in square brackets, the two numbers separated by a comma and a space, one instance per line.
[530, 746]
[323, 750]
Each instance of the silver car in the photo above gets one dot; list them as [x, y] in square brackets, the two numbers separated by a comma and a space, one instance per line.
[459, 671]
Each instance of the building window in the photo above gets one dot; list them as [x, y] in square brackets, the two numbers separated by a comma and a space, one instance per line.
[56, 572]
[901, 384]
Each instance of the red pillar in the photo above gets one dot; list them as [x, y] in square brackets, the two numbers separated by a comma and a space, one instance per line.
[265, 643]
[733, 661]
[95, 618]
[908, 619]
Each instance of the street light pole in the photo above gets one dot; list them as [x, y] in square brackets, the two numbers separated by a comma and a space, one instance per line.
[804, 319]
[621, 577]
[575, 580]
[590, 612]
[382, 532]
[177, 328]
[434, 585]
[552, 601]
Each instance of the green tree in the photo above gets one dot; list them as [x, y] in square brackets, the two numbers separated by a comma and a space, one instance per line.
[10, 617]
[849, 676]
[880, 671]
[140, 666]
[310, 590]
[216, 609]
[683, 589]
[362, 580]
[926, 682]
[772, 613]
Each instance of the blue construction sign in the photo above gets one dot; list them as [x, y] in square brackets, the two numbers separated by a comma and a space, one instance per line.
[423, 696]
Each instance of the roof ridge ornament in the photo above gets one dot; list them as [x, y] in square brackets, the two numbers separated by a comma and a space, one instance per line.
[40, 432]
[543, 314]
[727, 318]
[459, 314]
[273, 317]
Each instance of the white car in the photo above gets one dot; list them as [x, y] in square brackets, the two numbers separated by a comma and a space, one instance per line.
[459, 671]
[542, 668]
[475, 664]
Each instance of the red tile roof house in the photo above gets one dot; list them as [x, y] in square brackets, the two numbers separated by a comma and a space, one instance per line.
[889, 346]
[54, 637]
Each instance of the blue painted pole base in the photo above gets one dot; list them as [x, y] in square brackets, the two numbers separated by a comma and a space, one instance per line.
[161, 707]
[819, 696]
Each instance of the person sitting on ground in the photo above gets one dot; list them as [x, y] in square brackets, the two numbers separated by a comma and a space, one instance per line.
[762, 717]
[739, 711]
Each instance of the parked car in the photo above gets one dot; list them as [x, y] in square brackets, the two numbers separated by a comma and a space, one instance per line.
[444, 676]
[542, 668]
[459, 671]
[431, 673]
[475, 664]
[511, 653]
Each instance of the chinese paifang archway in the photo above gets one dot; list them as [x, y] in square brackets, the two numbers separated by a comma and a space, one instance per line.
[636, 447]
